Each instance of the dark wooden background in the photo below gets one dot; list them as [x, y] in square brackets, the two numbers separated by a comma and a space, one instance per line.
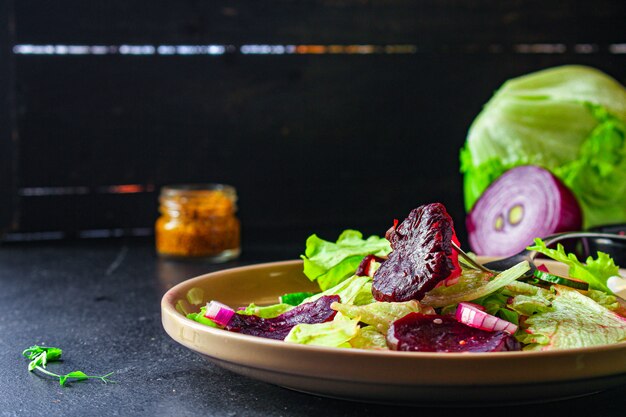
[313, 142]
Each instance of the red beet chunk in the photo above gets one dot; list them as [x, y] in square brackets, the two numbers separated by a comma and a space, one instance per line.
[279, 327]
[417, 332]
[421, 255]
[365, 267]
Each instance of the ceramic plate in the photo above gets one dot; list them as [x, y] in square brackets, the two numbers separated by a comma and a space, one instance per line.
[441, 379]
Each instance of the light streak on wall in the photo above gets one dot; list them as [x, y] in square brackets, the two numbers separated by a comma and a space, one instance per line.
[312, 49]
[83, 190]
[618, 48]
[83, 234]
[541, 48]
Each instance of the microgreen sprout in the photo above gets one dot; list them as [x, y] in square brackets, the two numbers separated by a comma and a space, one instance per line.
[40, 356]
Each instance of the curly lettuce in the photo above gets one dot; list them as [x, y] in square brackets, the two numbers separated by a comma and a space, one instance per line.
[570, 120]
[572, 321]
[595, 272]
[330, 263]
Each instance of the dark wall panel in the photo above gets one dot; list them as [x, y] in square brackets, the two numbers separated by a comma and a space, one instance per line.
[8, 133]
[428, 22]
[313, 142]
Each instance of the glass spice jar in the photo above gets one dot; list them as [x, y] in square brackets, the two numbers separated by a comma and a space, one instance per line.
[198, 221]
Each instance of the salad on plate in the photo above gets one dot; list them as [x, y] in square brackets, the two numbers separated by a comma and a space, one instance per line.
[409, 291]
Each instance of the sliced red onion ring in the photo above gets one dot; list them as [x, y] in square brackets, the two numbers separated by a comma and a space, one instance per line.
[473, 316]
[477, 306]
[219, 313]
[524, 203]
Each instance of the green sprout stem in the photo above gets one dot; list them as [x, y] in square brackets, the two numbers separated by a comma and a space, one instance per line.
[63, 378]
[41, 355]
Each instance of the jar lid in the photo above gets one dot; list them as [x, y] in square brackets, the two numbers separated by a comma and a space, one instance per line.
[177, 190]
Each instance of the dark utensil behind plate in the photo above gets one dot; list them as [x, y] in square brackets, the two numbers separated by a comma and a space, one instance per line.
[617, 240]
[614, 247]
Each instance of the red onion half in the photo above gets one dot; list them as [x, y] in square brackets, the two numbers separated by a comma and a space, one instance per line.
[524, 203]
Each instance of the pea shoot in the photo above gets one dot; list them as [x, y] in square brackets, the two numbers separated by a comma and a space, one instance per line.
[40, 356]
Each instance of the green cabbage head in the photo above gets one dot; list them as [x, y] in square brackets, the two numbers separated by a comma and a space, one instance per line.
[570, 120]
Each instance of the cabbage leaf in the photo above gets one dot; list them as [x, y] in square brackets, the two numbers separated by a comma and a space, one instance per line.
[570, 120]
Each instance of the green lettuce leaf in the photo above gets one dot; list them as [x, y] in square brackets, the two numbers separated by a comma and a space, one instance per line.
[199, 317]
[570, 120]
[509, 315]
[472, 285]
[380, 315]
[330, 263]
[294, 298]
[348, 291]
[524, 288]
[336, 333]
[339, 272]
[528, 299]
[528, 305]
[497, 304]
[605, 300]
[364, 296]
[598, 176]
[267, 312]
[573, 321]
[369, 338]
[595, 272]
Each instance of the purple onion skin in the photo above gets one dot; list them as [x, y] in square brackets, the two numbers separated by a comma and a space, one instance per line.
[418, 332]
[546, 205]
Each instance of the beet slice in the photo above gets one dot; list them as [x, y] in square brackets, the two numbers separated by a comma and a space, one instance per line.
[421, 255]
[365, 267]
[278, 328]
[418, 332]
[524, 203]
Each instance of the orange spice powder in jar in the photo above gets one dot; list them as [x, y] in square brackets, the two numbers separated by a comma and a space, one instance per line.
[198, 221]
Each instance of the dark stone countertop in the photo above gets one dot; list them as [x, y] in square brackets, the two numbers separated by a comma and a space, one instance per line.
[99, 301]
